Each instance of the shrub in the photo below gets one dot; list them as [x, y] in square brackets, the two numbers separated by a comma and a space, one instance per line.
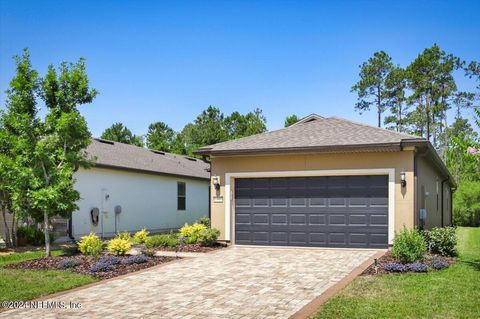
[125, 235]
[34, 235]
[417, 267]
[442, 241]
[68, 263]
[409, 245]
[438, 264]
[112, 260]
[205, 221]
[90, 245]
[119, 246]
[395, 267]
[137, 259]
[164, 240]
[141, 236]
[208, 237]
[102, 267]
[466, 204]
[192, 232]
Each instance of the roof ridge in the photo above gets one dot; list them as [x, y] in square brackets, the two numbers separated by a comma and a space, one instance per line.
[146, 148]
[376, 127]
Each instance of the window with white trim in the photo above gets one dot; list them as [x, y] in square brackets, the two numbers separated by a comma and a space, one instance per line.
[181, 196]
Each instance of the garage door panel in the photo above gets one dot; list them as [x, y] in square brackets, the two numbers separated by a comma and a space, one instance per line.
[344, 211]
[279, 219]
[261, 202]
[279, 202]
[298, 202]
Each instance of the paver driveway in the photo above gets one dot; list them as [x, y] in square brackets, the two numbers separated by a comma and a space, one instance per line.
[238, 282]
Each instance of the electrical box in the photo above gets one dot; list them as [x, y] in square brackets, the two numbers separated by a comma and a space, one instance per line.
[118, 209]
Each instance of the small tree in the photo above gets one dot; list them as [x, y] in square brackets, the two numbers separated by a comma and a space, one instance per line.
[19, 131]
[46, 151]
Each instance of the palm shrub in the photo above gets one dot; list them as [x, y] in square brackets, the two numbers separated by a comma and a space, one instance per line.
[442, 241]
[409, 245]
[90, 245]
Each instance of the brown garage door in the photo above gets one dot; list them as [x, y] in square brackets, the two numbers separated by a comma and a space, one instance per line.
[333, 211]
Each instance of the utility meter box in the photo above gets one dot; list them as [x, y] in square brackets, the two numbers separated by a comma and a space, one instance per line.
[118, 209]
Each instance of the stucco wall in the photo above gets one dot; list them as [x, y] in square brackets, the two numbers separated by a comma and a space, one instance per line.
[147, 201]
[429, 194]
[404, 198]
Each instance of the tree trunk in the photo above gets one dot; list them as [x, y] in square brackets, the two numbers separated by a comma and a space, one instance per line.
[47, 234]
[14, 229]
[8, 239]
[379, 109]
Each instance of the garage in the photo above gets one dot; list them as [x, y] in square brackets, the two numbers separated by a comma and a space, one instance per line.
[319, 211]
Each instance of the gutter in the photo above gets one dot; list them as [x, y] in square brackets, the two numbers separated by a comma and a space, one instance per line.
[316, 149]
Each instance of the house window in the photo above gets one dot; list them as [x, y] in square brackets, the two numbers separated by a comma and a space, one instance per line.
[181, 196]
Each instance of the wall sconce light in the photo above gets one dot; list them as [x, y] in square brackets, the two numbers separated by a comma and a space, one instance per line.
[216, 182]
[403, 181]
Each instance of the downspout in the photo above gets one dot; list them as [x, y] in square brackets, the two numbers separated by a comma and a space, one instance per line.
[442, 198]
[415, 189]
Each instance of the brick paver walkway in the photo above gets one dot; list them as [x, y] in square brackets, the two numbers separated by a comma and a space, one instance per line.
[238, 282]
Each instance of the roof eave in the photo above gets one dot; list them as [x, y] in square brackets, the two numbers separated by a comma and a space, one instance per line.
[316, 149]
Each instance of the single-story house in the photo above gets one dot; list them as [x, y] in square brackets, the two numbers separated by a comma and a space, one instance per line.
[131, 187]
[326, 182]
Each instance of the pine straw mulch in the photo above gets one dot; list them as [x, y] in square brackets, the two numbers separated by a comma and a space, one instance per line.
[388, 258]
[86, 262]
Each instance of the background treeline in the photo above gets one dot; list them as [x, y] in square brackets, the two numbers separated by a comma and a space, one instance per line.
[417, 99]
[210, 127]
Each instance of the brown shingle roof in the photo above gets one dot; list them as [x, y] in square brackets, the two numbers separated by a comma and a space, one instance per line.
[125, 156]
[318, 134]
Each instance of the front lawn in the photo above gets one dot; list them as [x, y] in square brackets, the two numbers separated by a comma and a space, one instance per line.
[29, 284]
[450, 293]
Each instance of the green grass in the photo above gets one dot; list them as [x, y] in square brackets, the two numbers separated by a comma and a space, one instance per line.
[28, 284]
[449, 293]
[18, 257]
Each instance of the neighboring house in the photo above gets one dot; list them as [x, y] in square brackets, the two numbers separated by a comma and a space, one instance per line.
[132, 187]
[326, 182]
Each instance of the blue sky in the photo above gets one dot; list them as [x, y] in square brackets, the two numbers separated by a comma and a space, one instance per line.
[169, 60]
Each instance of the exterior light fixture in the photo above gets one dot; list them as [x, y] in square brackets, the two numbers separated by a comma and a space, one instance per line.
[216, 182]
[403, 181]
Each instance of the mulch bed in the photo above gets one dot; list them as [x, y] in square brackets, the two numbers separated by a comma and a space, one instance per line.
[51, 263]
[388, 258]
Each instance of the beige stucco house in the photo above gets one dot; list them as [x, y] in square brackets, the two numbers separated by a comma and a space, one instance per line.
[326, 182]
